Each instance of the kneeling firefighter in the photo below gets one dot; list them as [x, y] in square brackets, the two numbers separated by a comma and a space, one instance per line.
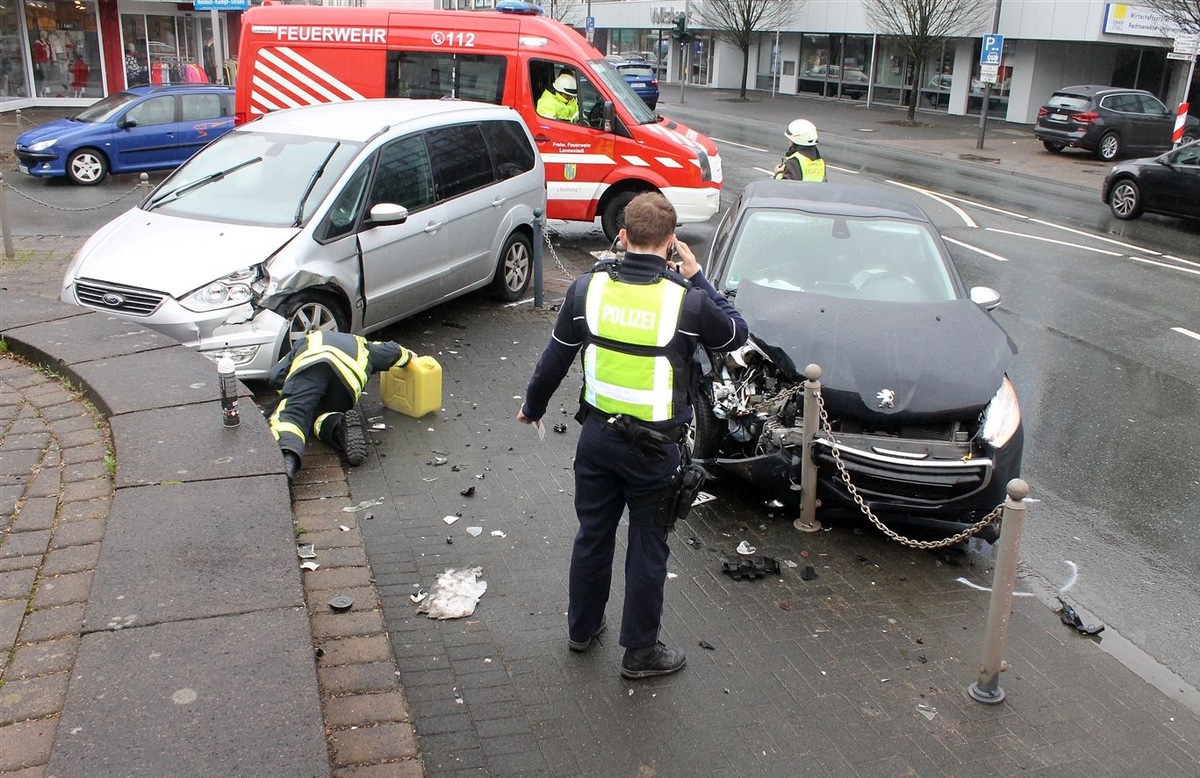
[638, 323]
[319, 383]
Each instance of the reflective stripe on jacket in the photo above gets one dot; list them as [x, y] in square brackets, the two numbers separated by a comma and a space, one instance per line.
[810, 169]
[628, 367]
[346, 354]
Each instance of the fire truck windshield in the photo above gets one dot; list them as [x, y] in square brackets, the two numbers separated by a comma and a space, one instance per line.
[622, 92]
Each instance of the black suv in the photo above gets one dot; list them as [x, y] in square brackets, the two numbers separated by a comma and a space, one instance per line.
[1108, 121]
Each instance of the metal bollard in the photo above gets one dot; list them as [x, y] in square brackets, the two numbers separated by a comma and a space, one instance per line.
[5, 228]
[987, 689]
[808, 466]
[144, 183]
[537, 257]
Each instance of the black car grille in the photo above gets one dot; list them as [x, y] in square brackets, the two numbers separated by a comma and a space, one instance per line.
[113, 297]
[926, 483]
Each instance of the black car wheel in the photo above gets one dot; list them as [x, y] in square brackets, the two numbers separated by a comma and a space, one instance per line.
[86, 167]
[1053, 146]
[309, 312]
[1109, 147]
[706, 431]
[1125, 199]
[612, 219]
[512, 272]
[1188, 137]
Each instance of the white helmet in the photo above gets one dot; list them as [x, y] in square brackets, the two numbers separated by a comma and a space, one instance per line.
[565, 83]
[802, 132]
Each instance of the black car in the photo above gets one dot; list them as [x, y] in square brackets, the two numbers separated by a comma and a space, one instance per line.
[1168, 184]
[856, 279]
[1108, 121]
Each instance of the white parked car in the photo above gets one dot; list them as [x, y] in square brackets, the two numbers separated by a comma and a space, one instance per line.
[346, 216]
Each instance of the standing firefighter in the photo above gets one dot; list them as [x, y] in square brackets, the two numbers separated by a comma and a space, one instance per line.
[638, 323]
[802, 162]
[319, 383]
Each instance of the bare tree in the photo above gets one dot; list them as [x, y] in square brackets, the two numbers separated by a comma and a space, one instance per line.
[1184, 14]
[565, 11]
[922, 27]
[740, 23]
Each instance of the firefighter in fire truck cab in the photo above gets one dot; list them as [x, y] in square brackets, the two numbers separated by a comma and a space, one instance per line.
[558, 101]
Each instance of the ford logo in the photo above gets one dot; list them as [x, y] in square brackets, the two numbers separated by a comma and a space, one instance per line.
[113, 300]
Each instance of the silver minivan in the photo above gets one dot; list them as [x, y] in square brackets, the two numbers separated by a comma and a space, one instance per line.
[346, 216]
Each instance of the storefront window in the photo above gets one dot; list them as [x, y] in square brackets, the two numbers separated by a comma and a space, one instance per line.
[769, 66]
[892, 72]
[939, 67]
[814, 64]
[64, 48]
[14, 63]
[168, 49]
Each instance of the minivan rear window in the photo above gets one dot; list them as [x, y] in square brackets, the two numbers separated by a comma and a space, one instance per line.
[1068, 101]
[511, 153]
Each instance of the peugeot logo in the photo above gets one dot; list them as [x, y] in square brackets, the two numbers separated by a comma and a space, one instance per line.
[886, 397]
[112, 300]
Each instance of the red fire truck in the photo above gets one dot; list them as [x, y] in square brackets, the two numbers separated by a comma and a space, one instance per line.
[596, 161]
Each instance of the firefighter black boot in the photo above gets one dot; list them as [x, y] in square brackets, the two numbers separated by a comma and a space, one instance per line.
[291, 466]
[350, 438]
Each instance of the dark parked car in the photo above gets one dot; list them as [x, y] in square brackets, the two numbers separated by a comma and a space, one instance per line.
[143, 128]
[641, 76]
[1108, 121]
[856, 279]
[1168, 184]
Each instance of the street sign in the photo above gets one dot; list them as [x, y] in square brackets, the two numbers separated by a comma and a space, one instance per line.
[992, 51]
[1186, 44]
[221, 5]
[1183, 57]
[590, 26]
[989, 74]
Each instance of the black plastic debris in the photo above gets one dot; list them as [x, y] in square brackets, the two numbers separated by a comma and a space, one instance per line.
[468, 492]
[341, 603]
[560, 428]
[455, 468]
[809, 574]
[369, 516]
[751, 567]
[454, 325]
[1070, 617]
[694, 542]
[707, 646]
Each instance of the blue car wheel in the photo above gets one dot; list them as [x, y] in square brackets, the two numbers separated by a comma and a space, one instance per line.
[86, 167]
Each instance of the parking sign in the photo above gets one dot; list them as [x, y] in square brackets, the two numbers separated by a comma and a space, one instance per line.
[992, 50]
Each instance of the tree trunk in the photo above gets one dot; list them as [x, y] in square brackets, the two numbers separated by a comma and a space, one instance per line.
[745, 70]
[915, 93]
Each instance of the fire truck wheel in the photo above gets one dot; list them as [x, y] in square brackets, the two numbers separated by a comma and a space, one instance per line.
[613, 217]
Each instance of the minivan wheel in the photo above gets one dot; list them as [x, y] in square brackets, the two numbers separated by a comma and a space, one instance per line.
[307, 312]
[512, 272]
[1053, 146]
[1125, 200]
[1110, 147]
[613, 217]
[86, 167]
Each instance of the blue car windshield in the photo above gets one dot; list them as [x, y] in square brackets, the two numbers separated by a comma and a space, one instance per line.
[256, 178]
[104, 110]
[622, 91]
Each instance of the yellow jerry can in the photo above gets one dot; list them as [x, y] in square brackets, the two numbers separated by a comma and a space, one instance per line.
[415, 389]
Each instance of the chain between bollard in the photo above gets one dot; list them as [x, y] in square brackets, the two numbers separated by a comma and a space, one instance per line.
[557, 262]
[974, 529]
[118, 199]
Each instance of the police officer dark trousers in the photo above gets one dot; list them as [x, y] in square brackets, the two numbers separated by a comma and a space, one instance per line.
[636, 324]
[319, 382]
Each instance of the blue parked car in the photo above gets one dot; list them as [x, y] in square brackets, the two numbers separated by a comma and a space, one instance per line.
[641, 76]
[143, 128]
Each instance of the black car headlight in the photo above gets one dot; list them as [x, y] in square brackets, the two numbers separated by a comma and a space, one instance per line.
[238, 287]
[1002, 417]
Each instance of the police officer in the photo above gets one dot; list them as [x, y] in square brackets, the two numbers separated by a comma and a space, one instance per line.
[638, 323]
[319, 383]
[558, 100]
[802, 162]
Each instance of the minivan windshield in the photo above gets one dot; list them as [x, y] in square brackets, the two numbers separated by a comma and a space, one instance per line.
[257, 178]
[622, 91]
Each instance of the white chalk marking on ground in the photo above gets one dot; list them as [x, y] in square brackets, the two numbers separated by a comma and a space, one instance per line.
[1072, 578]
[988, 588]
[996, 257]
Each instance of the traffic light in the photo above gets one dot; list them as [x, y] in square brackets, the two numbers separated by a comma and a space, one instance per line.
[680, 34]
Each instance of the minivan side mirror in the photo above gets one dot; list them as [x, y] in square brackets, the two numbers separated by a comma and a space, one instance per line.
[608, 116]
[985, 297]
[388, 213]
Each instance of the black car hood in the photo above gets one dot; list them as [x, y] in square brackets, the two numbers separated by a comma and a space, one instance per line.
[942, 360]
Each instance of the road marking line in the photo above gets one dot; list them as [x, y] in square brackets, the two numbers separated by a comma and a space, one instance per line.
[1189, 333]
[1097, 237]
[1164, 264]
[768, 172]
[974, 204]
[996, 257]
[842, 169]
[961, 213]
[739, 145]
[1181, 259]
[1059, 242]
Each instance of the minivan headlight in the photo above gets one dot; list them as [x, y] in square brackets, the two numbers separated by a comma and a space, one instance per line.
[42, 145]
[1002, 417]
[234, 289]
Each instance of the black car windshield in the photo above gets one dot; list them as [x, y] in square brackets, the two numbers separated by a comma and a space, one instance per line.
[620, 89]
[860, 258]
[267, 193]
[104, 110]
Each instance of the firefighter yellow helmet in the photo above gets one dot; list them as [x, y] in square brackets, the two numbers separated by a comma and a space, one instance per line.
[802, 132]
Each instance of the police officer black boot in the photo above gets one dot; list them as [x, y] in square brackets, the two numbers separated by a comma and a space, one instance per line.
[656, 660]
[349, 438]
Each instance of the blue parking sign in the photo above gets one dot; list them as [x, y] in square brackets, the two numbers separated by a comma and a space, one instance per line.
[992, 50]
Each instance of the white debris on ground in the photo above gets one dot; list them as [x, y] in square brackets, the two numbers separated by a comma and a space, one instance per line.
[454, 594]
